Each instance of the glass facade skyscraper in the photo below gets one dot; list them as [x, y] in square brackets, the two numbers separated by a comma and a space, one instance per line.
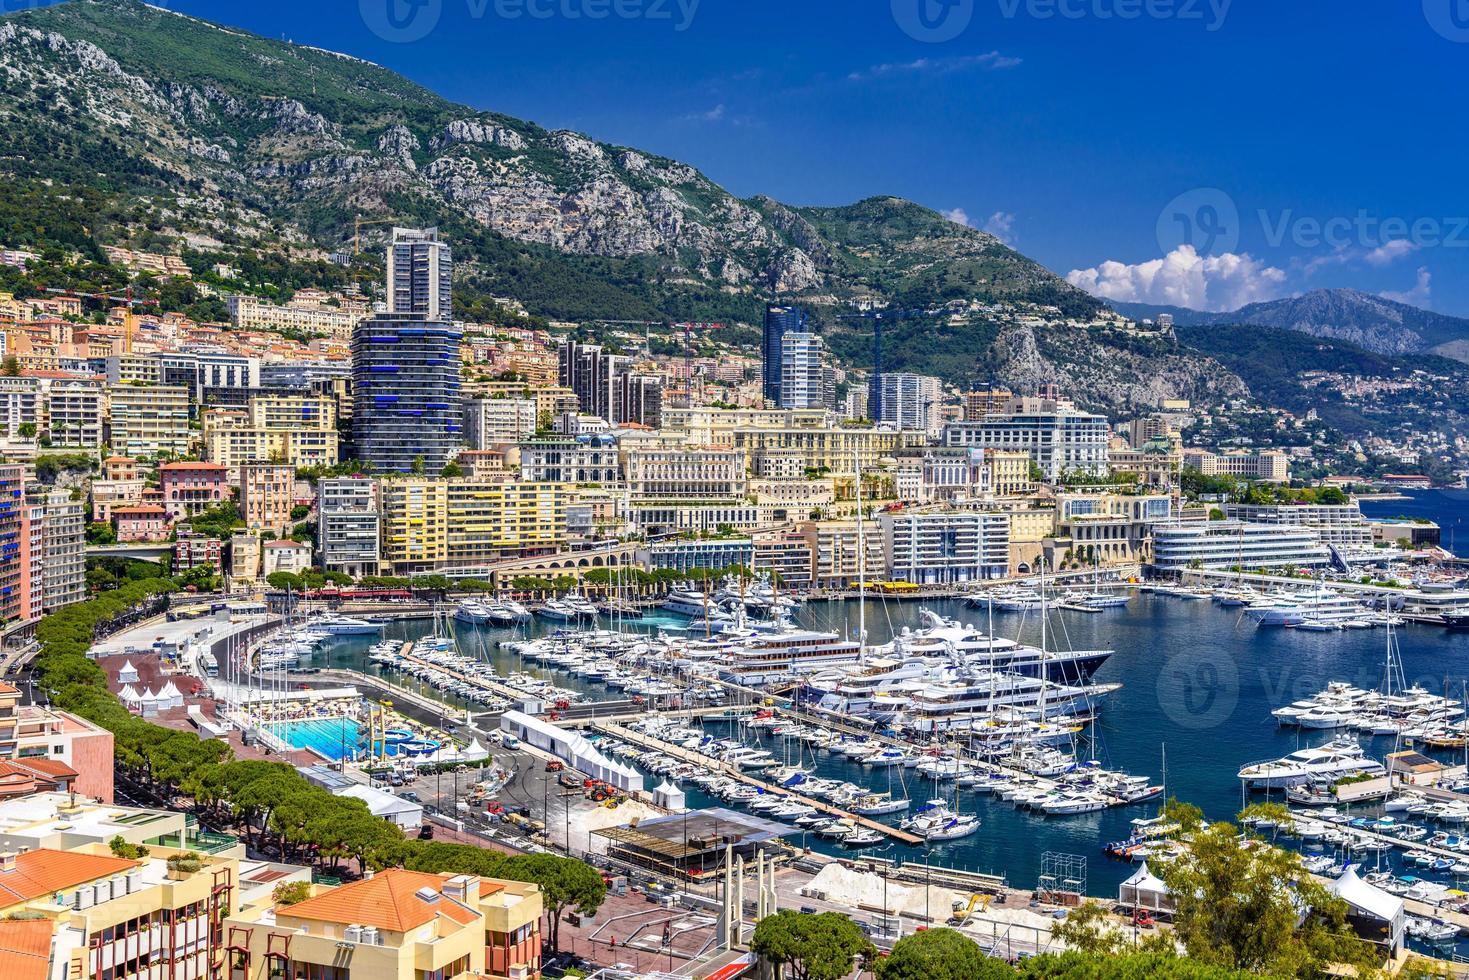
[779, 321]
[406, 401]
[420, 274]
[407, 407]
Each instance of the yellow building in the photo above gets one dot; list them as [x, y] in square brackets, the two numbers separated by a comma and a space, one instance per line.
[146, 420]
[119, 917]
[1009, 473]
[395, 925]
[491, 520]
[432, 524]
[295, 430]
[415, 523]
[834, 451]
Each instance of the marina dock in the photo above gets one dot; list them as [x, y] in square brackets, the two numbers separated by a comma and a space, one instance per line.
[704, 761]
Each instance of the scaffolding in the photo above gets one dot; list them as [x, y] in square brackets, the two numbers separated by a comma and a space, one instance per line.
[1062, 879]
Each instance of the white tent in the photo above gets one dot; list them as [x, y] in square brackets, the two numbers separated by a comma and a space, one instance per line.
[129, 695]
[170, 696]
[670, 797]
[148, 702]
[1379, 915]
[1145, 890]
[128, 674]
[573, 749]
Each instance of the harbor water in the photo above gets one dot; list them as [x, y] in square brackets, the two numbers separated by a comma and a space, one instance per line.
[1449, 509]
[1198, 684]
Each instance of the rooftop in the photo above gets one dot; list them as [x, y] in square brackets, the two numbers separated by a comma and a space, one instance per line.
[396, 900]
[44, 871]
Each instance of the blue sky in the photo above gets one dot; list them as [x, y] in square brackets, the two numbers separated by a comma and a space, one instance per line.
[1205, 152]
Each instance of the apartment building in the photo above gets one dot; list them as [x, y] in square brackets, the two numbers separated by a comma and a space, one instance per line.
[492, 422]
[64, 543]
[267, 496]
[710, 553]
[395, 925]
[297, 430]
[191, 488]
[15, 540]
[1226, 544]
[20, 408]
[244, 561]
[1058, 436]
[984, 402]
[790, 555]
[143, 522]
[909, 401]
[945, 547]
[1341, 526]
[293, 557]
[251, 312]
[149, 420]
[56, 744]
[75, 410]
[802, 380]
[415, 514]
[196, 551]
[349, 528]
[492, 520]
[843, 557]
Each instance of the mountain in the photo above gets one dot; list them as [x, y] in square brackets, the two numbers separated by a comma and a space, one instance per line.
[1379, 325]
[181, 132]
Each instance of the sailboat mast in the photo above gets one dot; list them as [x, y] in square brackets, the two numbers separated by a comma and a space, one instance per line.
[861, 561]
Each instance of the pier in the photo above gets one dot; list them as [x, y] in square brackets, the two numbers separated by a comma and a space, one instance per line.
[704, 761]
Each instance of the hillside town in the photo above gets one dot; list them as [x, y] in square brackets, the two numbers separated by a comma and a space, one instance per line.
[328, 628]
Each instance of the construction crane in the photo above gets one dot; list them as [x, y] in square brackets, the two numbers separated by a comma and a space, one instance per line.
[359, 223]
[129, 320]
[874, 389]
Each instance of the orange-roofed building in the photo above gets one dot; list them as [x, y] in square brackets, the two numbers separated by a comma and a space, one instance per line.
[25, 949]
[396, 925]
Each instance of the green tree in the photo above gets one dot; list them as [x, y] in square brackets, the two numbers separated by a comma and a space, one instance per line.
[1239, 906]
[565, 883]
[1088, 928]
[814, 947]
[291, 892]
[939, 954]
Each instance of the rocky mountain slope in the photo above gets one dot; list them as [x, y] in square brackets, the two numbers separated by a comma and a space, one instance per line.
[1379, 325]
[214, 136]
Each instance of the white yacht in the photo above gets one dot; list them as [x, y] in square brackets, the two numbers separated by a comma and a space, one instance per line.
[760, 659]
[343, 625]
[685, 600]
[473, 611]
[1342, 757]
[1317, 606]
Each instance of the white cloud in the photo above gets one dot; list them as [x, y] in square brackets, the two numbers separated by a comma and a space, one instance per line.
[1389, 252]
[709, 115]
[989, 61]
[957, 215]
[1001, 224]
[1185, 278]
[1419, 295]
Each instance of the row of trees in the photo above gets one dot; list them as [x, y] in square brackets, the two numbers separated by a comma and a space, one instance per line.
[269, 803]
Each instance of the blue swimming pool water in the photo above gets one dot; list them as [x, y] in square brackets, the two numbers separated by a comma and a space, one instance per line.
[332, 738]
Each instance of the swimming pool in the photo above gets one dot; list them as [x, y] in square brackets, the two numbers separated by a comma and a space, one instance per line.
[332, 738]
[341, 738]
